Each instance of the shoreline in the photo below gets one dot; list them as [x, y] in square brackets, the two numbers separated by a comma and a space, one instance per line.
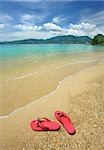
[81, 96]
[17, 96]
[58, 85]
[35, 101]
[69, 64]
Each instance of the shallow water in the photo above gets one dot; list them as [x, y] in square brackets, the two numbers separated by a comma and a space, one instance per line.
[23, 50]
[13, 57]
[28, 72]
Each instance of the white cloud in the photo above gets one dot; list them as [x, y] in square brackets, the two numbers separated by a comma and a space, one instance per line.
[84, 29]
[28, 27]
[51, 26]
[74, 29]
[56, 19]
[93, 18]
[2, 26]
[27, 18]
[20, 35]
[47, 30]
[59, 19]
[82, 26]
[4, 18]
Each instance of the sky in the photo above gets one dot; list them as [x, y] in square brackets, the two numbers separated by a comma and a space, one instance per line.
[36, 19]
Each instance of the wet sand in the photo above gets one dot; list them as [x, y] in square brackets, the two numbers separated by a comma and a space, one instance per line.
[79, 94]
[23, 85]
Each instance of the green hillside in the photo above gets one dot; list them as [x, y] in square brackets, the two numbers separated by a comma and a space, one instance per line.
[68, 39]
[98, 39]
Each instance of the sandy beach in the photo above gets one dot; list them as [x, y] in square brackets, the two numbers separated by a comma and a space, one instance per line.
[76, 88]
[24, 84]
[51, 60]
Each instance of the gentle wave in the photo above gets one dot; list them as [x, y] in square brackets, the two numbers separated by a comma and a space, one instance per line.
[24, 76]
[35, 101]
[58, 67]
[78, 62]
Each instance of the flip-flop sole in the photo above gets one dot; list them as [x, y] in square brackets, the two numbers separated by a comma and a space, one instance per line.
[66, 122]
[50, 126]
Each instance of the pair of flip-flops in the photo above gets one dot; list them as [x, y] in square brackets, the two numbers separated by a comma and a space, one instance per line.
[44, 124]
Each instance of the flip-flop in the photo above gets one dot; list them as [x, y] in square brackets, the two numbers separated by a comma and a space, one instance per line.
[66, 121]
[44, 124]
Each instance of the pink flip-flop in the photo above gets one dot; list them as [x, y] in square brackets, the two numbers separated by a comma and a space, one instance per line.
[66, 121]
[44, 124]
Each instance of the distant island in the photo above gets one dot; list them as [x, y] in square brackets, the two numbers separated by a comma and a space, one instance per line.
[66, 39]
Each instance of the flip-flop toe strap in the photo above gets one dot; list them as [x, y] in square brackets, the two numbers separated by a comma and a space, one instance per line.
[38, 123]
[44, 119]
[61, 114]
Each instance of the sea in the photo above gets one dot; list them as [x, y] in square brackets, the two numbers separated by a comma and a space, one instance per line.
[31, 71]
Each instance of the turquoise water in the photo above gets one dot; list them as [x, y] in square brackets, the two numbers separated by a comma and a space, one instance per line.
[26, 55]
[23, 50]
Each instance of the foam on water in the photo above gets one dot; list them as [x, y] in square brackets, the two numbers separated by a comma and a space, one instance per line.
[59, 84]
[57, 67]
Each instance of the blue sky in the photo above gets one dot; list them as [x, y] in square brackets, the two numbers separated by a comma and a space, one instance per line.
[23, 19]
